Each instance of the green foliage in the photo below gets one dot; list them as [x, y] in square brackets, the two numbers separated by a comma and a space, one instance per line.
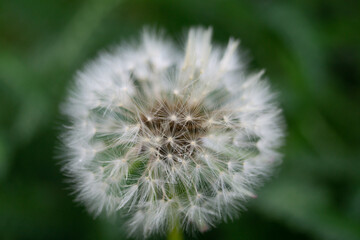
[310, 50]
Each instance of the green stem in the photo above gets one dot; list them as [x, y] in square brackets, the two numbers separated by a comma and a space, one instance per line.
[175, 234]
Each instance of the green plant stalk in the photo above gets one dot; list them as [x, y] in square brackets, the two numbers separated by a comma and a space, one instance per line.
[175, 233]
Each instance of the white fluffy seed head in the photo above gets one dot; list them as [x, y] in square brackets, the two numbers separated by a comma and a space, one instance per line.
[169, 137]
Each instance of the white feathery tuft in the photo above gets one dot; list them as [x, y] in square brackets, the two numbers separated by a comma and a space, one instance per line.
[170, 138]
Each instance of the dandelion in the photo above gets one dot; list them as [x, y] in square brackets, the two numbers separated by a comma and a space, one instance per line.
[170, 139]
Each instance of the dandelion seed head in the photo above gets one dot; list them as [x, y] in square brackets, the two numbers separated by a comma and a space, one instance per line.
[166, 137]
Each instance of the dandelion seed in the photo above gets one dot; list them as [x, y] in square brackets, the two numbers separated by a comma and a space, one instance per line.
[169, 138]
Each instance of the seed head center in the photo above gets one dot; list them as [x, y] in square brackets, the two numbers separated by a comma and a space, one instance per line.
[176, 129]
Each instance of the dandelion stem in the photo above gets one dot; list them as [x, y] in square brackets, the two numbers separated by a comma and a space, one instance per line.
[175, 234]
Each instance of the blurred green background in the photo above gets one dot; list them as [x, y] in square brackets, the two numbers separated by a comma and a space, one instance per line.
[310, 49]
